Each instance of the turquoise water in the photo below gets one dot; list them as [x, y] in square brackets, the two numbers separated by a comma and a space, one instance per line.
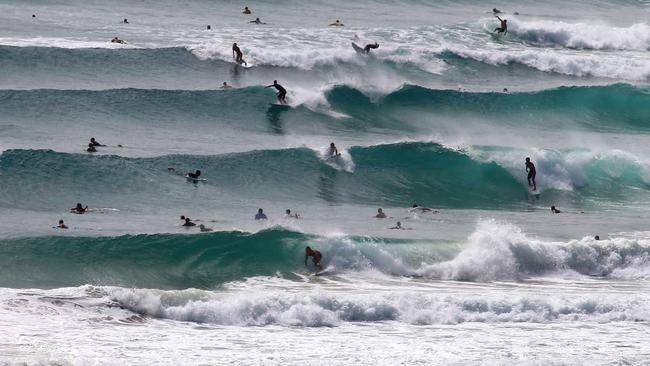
[443, 113]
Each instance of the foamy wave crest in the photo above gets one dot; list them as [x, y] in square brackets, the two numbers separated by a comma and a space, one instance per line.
[582, 35]
[317, 308]
[501, 251]
[615, 66]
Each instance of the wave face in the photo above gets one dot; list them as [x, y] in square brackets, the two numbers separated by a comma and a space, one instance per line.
[384, 175]
[619, 107]
[494, 252]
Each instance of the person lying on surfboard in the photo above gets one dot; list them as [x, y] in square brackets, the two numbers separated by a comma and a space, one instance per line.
[316, 257]
[282, 92]
[237, 55]
[257, 21]
[504, 26]
[370, 46]
[194, 175]
[417, 207]
[337, 23]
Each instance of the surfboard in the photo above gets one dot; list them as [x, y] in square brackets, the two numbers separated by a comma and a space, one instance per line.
[358, 49]
[325, 271]
[279, 106]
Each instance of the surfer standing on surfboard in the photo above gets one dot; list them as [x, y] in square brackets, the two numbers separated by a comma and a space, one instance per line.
[237, 55]
[316, 257]
[504, 26]
[282, 92]
[530, 168]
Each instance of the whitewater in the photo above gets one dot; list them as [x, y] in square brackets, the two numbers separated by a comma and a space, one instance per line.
[442, 114]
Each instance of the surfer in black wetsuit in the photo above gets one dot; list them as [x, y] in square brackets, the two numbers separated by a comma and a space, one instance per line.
[257, 21]
[91, 148]
[555, 210]
[237, 55]
[530, 168]
[316, 257]
[282, 92]
[370, 46]
[504, 26]
[188, 223]
[194, 175]
[247, 10]
[94, 142]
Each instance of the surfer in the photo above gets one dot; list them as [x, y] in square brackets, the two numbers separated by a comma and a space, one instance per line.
[247, 10]
[530, 168]
[316, 257]
[417, 207]
[125, 21]
[91, 148]
[94, 142]
[204, 229]
[194, 175]
[504, 26]
[380, 214]
[333, 151]
[257, 21]
[237, 55]
[337, 23]
[282, 92]
[398, 226]
[188, 223]
[370, 46]
[226, 86]
[496, 11]
[596, 237]
[79, 209]
[290, 215]
[555, 210]
[117, 40]
[260, 215]
[62, 225]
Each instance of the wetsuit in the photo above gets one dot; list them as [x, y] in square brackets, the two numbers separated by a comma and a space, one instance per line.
[369, 47]
[193, 175]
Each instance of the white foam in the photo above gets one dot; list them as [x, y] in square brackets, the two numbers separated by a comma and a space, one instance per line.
[582, 35]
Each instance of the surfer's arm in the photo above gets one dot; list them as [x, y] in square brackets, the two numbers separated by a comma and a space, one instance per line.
[306, 256]
[498, 18]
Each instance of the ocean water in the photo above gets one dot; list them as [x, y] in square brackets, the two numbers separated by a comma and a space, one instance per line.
[492, 278]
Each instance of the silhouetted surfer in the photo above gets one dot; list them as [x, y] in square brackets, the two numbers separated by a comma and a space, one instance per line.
[530, 168]
[370, 46]
[247, 10]
[236, 53]
[555, 210]
[316, 257]
[282, 92]
[188, 223]
[257, 21]
[91, 148]
[504, 26]
[62, 225]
